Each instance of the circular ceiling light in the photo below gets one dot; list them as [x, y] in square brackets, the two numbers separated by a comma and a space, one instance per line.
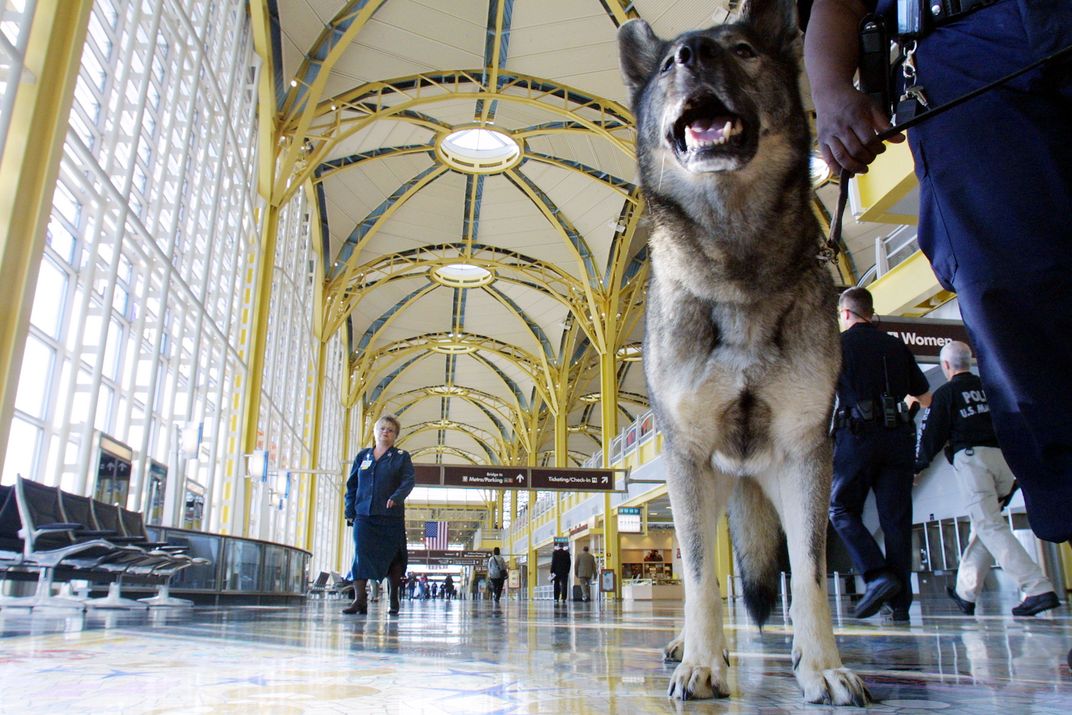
[462, 275]
[449, 345]
[479, 150]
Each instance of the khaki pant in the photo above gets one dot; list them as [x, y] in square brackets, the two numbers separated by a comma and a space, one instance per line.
[984, 476]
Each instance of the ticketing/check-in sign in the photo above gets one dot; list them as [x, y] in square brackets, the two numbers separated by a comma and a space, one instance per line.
[547, 478]
[490, 477]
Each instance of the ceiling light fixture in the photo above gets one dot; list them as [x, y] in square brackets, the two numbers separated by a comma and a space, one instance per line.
[461, 275]
[479, 150]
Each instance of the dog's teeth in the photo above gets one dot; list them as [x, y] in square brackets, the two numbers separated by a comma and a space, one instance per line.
[727, 129]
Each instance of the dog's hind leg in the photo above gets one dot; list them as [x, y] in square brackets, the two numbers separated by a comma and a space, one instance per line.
[698, 497]
[800, 492]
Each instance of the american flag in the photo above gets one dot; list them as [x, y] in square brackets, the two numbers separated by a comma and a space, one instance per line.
[435, 535]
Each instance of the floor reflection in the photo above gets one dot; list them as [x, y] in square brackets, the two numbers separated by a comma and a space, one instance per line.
[467, 657]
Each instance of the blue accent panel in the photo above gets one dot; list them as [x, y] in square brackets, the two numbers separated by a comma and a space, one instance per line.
[325, 229]
[489, 47]
[582, 347]
[377, 213]
[386, 381]
[551, 126]
[548, 351]
[503, 431]
[514, 388]
[276, 36]
[572, 234]
[320, 52]
[470, 229]
[433, 80]
[378, 153]
[597, 174]
[366, 338]
[635, 265]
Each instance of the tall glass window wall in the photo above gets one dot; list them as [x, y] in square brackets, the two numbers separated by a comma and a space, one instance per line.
[14, 34]
[279, 507]
[334, 464]
[142, 317]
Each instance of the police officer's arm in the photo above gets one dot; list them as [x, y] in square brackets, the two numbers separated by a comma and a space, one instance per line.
[349, 509]
[846, 119]
[405, 486]
[936, 428]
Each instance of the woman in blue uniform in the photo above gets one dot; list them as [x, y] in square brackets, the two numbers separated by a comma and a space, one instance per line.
[380, 480]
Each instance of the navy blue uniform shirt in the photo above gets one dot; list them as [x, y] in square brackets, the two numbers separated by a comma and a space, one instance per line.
[373, 481]
[863, 377]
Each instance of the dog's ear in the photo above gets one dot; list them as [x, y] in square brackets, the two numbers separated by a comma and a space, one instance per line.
[639, 52]
[775, 20]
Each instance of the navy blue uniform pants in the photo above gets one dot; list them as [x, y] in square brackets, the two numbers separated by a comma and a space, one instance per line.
[881, 461]
[995, 188]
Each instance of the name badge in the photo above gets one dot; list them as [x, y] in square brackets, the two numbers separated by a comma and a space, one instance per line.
[367, 463]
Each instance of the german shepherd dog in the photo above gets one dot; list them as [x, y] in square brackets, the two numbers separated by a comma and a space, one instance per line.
[741, 351]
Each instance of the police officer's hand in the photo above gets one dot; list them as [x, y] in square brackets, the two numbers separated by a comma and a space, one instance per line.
[349, 522]
[846, 123]
[391, 503]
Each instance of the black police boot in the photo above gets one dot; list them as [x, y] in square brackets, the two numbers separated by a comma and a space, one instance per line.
[1036, 604]
[966, 607]
[881, 589]
[360, 604]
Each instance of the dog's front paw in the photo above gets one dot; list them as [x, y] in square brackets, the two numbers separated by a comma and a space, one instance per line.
[835, 686]
[691, 681]
[674, 650]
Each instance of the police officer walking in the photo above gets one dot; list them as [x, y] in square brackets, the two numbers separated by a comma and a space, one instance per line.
[959, 420]
[874, 450]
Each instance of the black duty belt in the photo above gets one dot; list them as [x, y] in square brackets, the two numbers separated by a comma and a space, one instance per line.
[943, 11]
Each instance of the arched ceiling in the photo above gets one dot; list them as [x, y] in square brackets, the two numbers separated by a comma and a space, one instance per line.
[366, 93]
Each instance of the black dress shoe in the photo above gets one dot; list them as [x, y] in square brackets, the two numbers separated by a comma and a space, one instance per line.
[352, 609]
[966, 607]
[1036, 604]
[879, 591]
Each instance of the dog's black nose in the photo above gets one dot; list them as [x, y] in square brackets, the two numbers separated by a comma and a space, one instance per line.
[692, 50]
[684, 55]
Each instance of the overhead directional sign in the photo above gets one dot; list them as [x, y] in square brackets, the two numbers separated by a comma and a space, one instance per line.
[575, 480]
[484, 477]
[498, 476]
[449, 558]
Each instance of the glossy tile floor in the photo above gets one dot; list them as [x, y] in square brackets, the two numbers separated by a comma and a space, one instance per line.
[472, 657]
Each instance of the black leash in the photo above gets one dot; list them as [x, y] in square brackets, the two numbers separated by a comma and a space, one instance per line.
[832, 247]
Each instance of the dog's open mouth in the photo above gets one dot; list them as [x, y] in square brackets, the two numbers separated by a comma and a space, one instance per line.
[708, 129]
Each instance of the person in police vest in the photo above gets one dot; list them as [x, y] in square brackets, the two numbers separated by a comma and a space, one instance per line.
[959, 421]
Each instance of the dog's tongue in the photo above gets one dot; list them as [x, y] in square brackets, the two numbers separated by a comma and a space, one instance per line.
[707, 131]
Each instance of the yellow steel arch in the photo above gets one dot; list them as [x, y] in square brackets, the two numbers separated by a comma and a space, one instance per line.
[347, 289]
[505, 410]
[329, 47]
[383, 358]
[343, 116]
[440, 449]
[491, 443]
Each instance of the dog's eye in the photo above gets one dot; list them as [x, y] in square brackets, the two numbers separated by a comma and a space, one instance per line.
[744, 50]
[667, 64]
